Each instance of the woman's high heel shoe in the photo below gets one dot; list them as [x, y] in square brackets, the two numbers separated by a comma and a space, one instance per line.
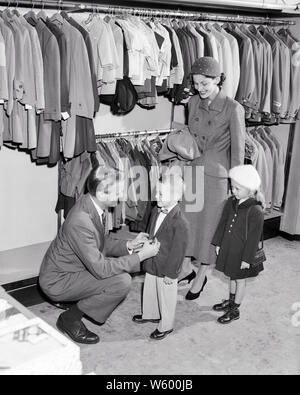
[191, 295]
[190, 277]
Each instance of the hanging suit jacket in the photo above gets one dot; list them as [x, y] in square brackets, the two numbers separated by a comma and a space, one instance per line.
[173, 237]
[82, 246]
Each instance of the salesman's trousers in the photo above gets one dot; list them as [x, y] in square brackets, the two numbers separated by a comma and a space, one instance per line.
[95, 298]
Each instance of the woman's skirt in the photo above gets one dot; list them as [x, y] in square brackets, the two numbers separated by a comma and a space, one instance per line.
[203, 218]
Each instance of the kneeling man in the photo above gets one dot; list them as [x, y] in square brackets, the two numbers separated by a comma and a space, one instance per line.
[85, 266]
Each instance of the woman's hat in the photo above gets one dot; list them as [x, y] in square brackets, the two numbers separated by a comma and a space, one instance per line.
[206, 66]
[246, 176]
[180, 143]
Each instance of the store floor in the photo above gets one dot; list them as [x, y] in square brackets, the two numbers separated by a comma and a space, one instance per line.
[263, 341]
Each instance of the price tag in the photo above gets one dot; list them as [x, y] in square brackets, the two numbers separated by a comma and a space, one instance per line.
[65, 115]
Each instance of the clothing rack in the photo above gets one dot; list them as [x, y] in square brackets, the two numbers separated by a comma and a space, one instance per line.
[142, 12]
[132, 133]
[100, 137]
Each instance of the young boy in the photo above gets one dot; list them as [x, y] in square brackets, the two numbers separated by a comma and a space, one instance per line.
[168, 225]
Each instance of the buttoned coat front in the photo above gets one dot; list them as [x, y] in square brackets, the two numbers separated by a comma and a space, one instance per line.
[238, 234]
[219, 130]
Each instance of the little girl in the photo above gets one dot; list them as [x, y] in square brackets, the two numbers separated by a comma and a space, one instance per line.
[236, 246]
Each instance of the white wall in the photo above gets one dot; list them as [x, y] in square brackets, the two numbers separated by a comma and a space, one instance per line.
[138, 119]
[27, 199]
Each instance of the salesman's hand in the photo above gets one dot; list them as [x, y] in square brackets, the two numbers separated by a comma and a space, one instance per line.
[137, 243]
[149, 250]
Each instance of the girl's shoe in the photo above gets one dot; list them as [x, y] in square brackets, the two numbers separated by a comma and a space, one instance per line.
[192, 296]
[231, 315]
[190, 277]
[224, 306]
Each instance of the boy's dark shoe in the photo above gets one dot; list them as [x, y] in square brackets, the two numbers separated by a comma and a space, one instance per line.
[157, 335]
[231, 315]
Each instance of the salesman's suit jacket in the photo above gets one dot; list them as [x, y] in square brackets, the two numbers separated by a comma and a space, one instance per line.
[82, 246]
[173, 236]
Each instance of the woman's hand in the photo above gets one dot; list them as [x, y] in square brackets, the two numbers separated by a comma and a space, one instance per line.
[217, 250]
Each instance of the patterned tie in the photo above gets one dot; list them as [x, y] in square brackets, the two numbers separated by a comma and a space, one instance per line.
[103, 219]
[162, 210]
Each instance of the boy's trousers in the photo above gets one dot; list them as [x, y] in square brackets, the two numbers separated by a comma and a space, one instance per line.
[159, 301]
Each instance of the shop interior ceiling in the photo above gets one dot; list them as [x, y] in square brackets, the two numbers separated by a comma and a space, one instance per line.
[269, 8]
[260, 6]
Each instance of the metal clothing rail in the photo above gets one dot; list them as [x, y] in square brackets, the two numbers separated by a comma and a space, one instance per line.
[143, 12]
[133, 133]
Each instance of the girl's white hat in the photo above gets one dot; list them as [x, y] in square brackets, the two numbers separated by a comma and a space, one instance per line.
[246, 176]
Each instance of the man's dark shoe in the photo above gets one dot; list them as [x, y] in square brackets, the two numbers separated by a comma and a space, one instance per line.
[231, 315]
[77, 331]
[157, 335]
[138, 319]
[224, 306]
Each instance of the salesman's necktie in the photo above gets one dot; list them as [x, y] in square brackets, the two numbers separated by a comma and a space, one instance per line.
[162, 210]
[103, 219]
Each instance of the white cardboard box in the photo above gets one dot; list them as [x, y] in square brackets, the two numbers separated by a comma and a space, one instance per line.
[29, 346]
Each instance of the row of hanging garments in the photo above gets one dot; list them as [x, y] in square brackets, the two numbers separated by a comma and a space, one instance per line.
[53, 71]
[136, 160]
[260, 64]
[264, 151]
[47, 79]
[157, 55]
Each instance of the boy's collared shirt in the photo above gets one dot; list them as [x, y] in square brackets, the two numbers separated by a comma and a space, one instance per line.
[161, 217]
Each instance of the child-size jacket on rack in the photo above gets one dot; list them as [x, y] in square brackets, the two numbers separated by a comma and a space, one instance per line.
[267, 156]
[127, 157]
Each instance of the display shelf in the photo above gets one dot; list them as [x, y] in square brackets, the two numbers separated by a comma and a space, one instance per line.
[21, 263]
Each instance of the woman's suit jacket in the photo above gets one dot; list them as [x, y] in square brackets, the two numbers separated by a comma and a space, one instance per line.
[219, 131]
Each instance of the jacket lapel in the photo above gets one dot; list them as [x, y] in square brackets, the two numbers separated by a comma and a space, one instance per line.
[167, 220]
[89, 207]
[152, 222]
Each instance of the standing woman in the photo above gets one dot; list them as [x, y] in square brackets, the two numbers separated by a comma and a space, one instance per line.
[217, 123]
